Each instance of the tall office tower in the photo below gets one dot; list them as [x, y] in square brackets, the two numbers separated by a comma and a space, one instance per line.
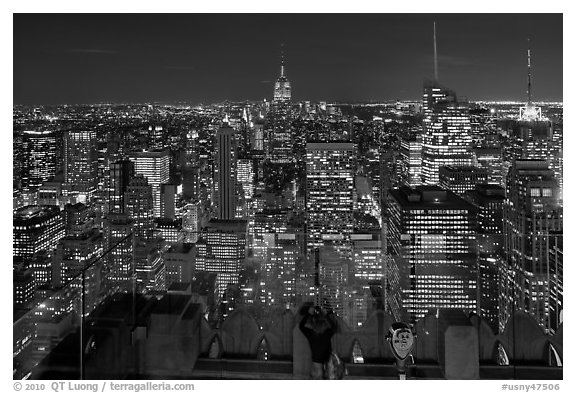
[225, 167]
[38, 155]
[532, 226]
[431, 234]
[490, 160]
[280, 134]
[282, 88]
[81, 164]
[73, 254]
[121, 172]
[119, 264]
[245, 176]
[538, 140]
[330, 169]
[138, 205]
[489, 202]
[191, 170]
[411, 160]
[446, 139]
[191, 221]
[35, 229]
[460, 179]
[222, 250]
[155, 137]
[279, 269]
[155, 166]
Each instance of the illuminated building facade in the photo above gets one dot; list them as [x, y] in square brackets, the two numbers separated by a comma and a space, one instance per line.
[119, 264]
[81, 163]
[180, 261]
[246, 176]
[491, 161]
[460, 179]
[139, 206]
[170, 230]
[282, 88]
[532, 227]
[155, 137]
[73, 254]
[191, 222]
[411, 160]
[37, 161]
[446, 139]
[120, 174]
[225, 167]
[279, 271]
[367, 260]
[154, 166]
[488, 199]
[36, 228]
[222, 250]
[329, 192]
[432, 233]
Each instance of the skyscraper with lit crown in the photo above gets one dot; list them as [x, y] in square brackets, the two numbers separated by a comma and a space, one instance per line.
[282, 88]
[447, 136]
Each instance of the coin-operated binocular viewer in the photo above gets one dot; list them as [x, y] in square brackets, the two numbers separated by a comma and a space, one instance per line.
[401, 340]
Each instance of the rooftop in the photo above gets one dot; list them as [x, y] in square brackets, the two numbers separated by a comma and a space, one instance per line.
[430, 197]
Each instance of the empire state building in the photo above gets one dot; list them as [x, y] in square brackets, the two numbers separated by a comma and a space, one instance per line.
[282, 89]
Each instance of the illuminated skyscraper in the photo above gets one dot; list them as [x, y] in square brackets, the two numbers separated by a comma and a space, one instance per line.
[280, 133]
[282, 88]
[446, 139]
[139, 206]
[490, 160]
[533, 228]
[155, 137]
[38, 158]
[191, 170]
[225, 167]
[222, 250]
[431, 233]
[35, 229]
[73, 254]
[120, 174]
[191, 222]
[246, 176]
[489, 202]
[411, 160]
[119, 265]
[81, 164]
[329, 192]
[460, 179]
[155, 166]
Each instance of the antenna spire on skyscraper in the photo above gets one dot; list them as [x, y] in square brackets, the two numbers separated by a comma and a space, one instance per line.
[529, 91]
[435, 56]
[282, 59]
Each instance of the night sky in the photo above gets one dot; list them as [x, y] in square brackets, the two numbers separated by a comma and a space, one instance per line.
[90, 58]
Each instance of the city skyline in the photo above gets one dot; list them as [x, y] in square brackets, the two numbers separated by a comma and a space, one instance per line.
[279, 196]
[330, 57]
